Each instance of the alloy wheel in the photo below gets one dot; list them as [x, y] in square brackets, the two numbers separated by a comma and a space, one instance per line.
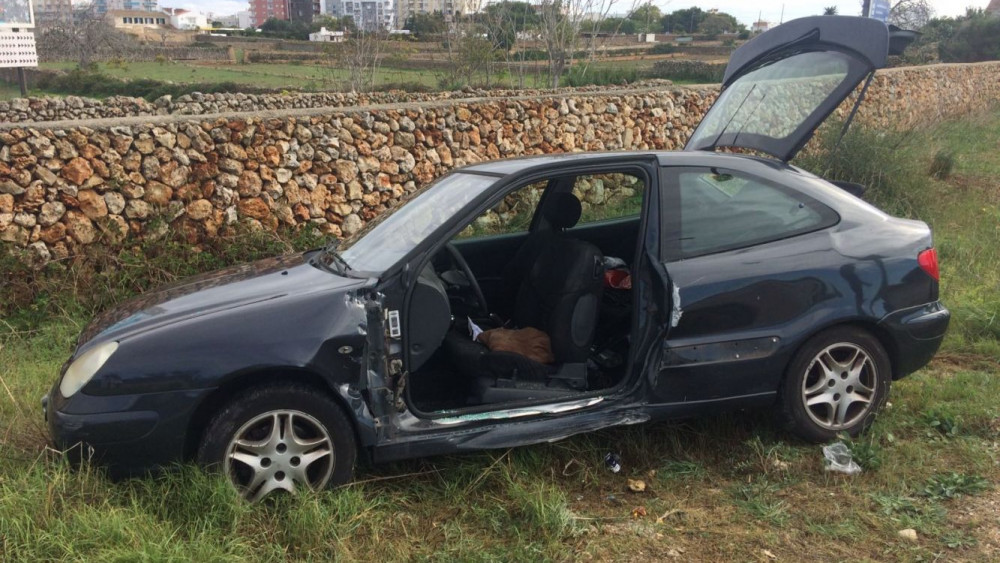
[279, 450]
[839, 386]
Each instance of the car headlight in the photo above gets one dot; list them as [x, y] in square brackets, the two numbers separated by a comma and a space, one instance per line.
[84, 368]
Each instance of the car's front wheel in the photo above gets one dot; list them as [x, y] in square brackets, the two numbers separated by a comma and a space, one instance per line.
[836, 383]
[285, 437]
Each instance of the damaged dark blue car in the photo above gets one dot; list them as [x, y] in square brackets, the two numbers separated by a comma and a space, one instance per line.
[617, 288]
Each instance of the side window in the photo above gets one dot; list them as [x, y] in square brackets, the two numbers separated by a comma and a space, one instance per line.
[609, 196]
[722, 210]
[512, 215]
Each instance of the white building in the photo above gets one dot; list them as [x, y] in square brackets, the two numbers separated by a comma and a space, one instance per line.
[324, 35]
[244, 19]
[187, 19]
[760, 26]
[368, 15]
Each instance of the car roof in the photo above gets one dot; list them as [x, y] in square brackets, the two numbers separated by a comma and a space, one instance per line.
[510, 166]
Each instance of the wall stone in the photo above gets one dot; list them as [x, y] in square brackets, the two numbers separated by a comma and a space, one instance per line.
[71, 108]
[112, 181]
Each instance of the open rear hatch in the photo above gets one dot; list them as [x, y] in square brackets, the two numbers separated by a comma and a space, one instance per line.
[780, 86]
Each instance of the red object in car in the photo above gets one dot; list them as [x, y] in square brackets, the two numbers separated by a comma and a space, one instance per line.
[928, 261]
[618, 279]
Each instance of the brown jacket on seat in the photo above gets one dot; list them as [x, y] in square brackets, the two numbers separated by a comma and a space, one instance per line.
[528, 342]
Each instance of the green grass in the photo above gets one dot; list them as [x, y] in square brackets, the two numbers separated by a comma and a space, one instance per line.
[730, 487]
[315, 77]
[307, 77]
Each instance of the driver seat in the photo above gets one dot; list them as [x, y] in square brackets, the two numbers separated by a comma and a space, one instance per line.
[560, 295]
[561, 212]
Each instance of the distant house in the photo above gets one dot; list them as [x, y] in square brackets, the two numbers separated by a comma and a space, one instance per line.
[994, 8]
[326, 36]
[760, 26]
[135, 19]
[187, 19]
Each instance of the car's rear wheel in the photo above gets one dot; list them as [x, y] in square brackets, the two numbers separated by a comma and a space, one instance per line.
[836, 383]
[285, 437]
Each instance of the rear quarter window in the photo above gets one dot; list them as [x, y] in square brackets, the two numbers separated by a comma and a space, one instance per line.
[720, 210]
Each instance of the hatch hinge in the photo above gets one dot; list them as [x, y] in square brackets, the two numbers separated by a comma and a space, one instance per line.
[854, 112]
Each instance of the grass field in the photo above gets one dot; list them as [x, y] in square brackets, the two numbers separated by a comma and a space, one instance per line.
[307, 77]
[315, 78]
[732, 487]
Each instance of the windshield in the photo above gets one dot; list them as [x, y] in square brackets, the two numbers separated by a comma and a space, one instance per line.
[386, 240]
[774, 100]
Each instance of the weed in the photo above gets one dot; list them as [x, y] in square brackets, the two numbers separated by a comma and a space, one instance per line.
[941, 423]
[942, 164]
[758, 498]
[958, 540]
[865, 450]
[896, 505]
[681, 469]
[952, 485]
[764, 458]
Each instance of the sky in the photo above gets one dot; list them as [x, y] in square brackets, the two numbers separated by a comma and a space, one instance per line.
[746, 11]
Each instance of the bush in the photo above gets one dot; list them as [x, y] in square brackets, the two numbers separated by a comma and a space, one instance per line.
[601, 76]
[977, 39]
[887, 163]
[688, 70]
[663, 49]
[942, 164]
[97, 85]
[102, 276]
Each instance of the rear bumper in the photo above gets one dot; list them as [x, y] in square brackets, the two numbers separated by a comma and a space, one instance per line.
[916, 334]
[129, 434]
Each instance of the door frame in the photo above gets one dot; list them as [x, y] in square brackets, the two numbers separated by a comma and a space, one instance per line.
[644, 165]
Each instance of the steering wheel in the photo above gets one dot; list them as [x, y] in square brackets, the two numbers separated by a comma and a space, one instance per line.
[459, 260]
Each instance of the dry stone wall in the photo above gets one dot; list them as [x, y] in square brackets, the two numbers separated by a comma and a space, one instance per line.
[71, 108]
[113, 181]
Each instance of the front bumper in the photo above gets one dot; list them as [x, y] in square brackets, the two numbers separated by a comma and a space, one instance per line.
[129, 434]
[916, 334]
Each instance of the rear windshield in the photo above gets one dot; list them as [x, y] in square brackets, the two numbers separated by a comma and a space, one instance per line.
[773, 100]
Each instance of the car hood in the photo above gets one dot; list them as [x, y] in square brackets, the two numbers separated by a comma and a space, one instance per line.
[229, 288]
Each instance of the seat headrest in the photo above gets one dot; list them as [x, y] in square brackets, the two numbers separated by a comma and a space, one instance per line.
[562, 210]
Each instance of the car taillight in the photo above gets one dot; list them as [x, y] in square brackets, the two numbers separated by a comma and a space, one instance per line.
[929, 263]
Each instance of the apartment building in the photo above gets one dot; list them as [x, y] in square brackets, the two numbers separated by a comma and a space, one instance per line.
[369, 15]
[53, 11]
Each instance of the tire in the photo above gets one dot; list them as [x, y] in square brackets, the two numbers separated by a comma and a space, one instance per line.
[248, 440]
[836, 383]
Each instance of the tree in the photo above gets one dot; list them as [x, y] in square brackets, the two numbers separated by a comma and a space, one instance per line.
[683, 21]
[559, 28]
[646, 18]
[87, 35]
[505, 20]
[424, 24]
[362, 56]
[976, 38]
[329, 22]
[911, 14]
[284, 29]
[719, 23]
[830, 11]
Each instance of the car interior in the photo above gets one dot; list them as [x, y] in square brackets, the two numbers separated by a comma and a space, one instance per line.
[532, 300]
